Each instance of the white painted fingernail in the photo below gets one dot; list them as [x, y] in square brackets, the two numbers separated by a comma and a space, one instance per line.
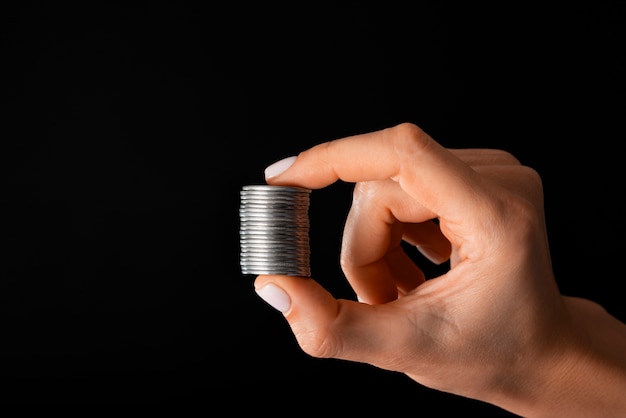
[275, 297]
[279, 167]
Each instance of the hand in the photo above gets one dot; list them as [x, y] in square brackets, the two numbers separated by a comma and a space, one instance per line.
[494, 327]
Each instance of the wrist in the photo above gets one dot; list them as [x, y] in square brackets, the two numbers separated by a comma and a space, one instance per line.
[578, 371]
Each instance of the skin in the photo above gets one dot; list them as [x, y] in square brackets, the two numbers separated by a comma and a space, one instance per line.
[494, 327]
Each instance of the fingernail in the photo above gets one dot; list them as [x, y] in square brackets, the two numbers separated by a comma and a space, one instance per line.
[276, 297]
[279, 167]
[358, 299]
[430, 254]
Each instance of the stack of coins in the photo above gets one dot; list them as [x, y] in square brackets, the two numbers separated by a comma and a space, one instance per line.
[274, 230]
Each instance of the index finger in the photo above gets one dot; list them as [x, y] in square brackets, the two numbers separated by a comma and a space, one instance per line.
[425, 170]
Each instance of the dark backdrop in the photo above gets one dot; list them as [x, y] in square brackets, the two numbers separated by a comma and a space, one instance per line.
[128, 132]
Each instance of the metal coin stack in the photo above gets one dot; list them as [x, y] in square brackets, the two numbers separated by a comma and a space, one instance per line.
[274, 230]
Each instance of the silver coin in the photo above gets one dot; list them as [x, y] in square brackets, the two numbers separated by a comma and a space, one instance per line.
[269, 231]
[260, 188]
[278, 270]
[265, 262]
[287, 242]
[265, 223]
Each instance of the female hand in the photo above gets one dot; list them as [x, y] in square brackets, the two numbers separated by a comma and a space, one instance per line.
[494, 327]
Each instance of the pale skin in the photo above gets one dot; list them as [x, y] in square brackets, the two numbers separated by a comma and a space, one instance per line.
[495, 326]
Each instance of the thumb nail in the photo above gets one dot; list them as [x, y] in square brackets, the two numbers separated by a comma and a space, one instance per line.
[275, 297]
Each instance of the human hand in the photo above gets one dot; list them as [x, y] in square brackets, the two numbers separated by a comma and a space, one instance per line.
[479, 329]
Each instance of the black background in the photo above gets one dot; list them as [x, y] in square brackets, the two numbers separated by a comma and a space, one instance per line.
[128, 132]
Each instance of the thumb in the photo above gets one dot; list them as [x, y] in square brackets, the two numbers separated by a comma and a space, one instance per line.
[326, 327]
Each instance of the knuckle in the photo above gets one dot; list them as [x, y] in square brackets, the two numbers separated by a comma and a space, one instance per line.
[317, 343]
